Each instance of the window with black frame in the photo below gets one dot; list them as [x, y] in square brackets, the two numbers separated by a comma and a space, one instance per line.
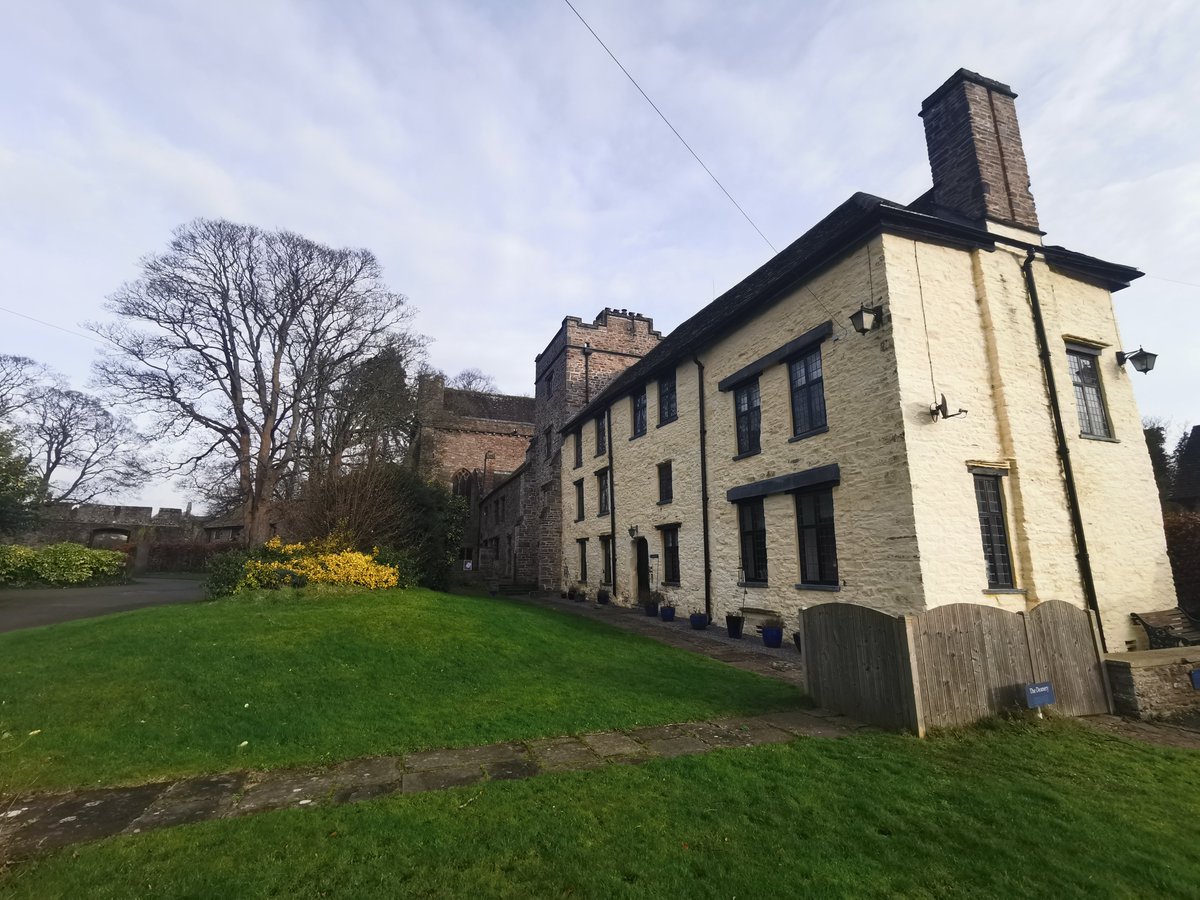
[665, 487]
[808, 393]
[818, 543]
[670, 549]
[602, 491]
[606, 559]
[1089, 397]
[667, 408]
[601, 437]
[579, 508]
[749, 417]
[638, 403]
[752, 525]
[989, 497]
[578, 436]
[582, 542]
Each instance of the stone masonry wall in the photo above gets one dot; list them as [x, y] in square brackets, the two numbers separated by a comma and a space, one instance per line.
[967, 315]
[581, 360]
[975, 151]
[875, 530]
[1153, 684]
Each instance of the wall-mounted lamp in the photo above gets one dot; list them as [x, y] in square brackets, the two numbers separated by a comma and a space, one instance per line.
[867, 318]
[633, 531]
[1141, 360]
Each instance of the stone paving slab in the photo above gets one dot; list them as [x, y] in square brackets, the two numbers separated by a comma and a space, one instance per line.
[612, 743]
[464, 756]
[677, 746]
[46, 823]
[283, 789]
[194, 800]
[440, 779]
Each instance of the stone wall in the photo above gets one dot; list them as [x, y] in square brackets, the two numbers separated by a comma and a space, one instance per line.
[1151, 684]
[103, 524]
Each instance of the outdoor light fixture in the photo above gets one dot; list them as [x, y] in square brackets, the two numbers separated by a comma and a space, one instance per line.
[633, 531]
[867, 318]
[1142, 360]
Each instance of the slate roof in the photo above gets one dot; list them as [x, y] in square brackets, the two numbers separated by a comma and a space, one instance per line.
[858, 219]
[480, 405]
[1187, 470]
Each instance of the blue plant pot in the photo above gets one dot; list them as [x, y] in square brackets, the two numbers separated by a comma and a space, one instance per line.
[651, 609]
[699, 621]
[666, 613]
[772, 637]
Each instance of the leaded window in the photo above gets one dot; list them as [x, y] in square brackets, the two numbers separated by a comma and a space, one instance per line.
[667, 409]
[639, 412]
[579, 510]
[670, 546]
[578, 437]
[606, 558]
[989, 497]
[602, 492]
[749, 417]
[601, 437]
[818, 545]
[1089, 398]
[582, 542]
[665, 486]
[752, 525]
[808, 392]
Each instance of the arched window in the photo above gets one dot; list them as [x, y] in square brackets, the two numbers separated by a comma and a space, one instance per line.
[461, 483]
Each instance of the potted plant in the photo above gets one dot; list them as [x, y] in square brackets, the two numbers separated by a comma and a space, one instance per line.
[581, 595]
[652, 602]
[602, 596]
[772, 633]
[572, 592]
[735, 622]
[698, 619]
[666, 610]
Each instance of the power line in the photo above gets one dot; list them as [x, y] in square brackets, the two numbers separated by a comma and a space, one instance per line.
[633, 81]
[1174, 281]
[86, 337]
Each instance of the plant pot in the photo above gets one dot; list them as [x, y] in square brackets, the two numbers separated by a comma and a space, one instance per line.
[602, 599]
[797, 639]
[571, 595]
[734, 625]
[564, 595]
[650, 608]
[772, 636]
[666, 613]
[699, 621]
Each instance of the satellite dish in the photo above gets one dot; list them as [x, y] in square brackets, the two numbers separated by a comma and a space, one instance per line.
[942, 410]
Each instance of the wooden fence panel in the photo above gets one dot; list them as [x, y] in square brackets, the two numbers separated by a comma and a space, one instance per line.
[972, 661]
[857, 663]
[1065, 654]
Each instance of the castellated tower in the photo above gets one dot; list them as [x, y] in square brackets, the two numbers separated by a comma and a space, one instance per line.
[579, 362]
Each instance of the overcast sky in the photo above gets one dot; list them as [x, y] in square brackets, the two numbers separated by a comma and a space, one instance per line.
[507, 174]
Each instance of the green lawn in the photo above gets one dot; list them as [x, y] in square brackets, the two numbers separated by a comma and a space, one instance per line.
[175, 690]
[1008, 810]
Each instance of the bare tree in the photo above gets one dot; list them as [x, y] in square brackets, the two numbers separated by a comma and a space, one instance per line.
[19, 376]
[78, 449]
[235, 336]
[473, 380]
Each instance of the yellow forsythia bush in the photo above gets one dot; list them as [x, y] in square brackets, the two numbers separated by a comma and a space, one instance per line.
[281, 565]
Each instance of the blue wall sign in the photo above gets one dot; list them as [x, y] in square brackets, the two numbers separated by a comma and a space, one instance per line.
[1039, 694]
[1196, 679]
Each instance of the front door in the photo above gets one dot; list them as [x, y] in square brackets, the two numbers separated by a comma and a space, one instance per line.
[643, 568]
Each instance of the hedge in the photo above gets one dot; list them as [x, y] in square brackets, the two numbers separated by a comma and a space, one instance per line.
[59, 565]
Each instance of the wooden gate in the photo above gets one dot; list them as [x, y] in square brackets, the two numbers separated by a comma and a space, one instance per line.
[951, 665]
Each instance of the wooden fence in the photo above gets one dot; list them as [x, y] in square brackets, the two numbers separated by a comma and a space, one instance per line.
[951, 665]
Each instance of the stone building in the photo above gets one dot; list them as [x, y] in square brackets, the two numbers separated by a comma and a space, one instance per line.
[469, 441]
[107, 525]
[911, 405]
[520, 517]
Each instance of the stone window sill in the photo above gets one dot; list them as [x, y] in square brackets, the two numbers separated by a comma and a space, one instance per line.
[807, 434]
[665, 502]
[1099, 437]
[752, 584]
[747, 454]
[667, 421]
[817, 587]
[1020, 591]
[671, 583]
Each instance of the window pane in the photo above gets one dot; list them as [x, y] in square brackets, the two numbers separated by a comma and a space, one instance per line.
[1089, 401]
[818, 544]
[993, 531]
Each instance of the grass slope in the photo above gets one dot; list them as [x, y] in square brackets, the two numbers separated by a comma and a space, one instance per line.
[1010, 810]
[175, 690]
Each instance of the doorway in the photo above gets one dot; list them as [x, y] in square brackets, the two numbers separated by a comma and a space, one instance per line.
[642, 550]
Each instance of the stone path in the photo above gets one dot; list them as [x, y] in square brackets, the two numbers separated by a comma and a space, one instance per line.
[34, 607]
[746, 653]
[40, 822]
[1183, 733]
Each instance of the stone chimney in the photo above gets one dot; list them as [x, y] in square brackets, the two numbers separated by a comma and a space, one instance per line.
[975, 151]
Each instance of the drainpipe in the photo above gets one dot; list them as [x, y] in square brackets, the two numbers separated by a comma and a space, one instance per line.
[612, 498]
[587, 380]
[704, 491]
[1064, 452]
